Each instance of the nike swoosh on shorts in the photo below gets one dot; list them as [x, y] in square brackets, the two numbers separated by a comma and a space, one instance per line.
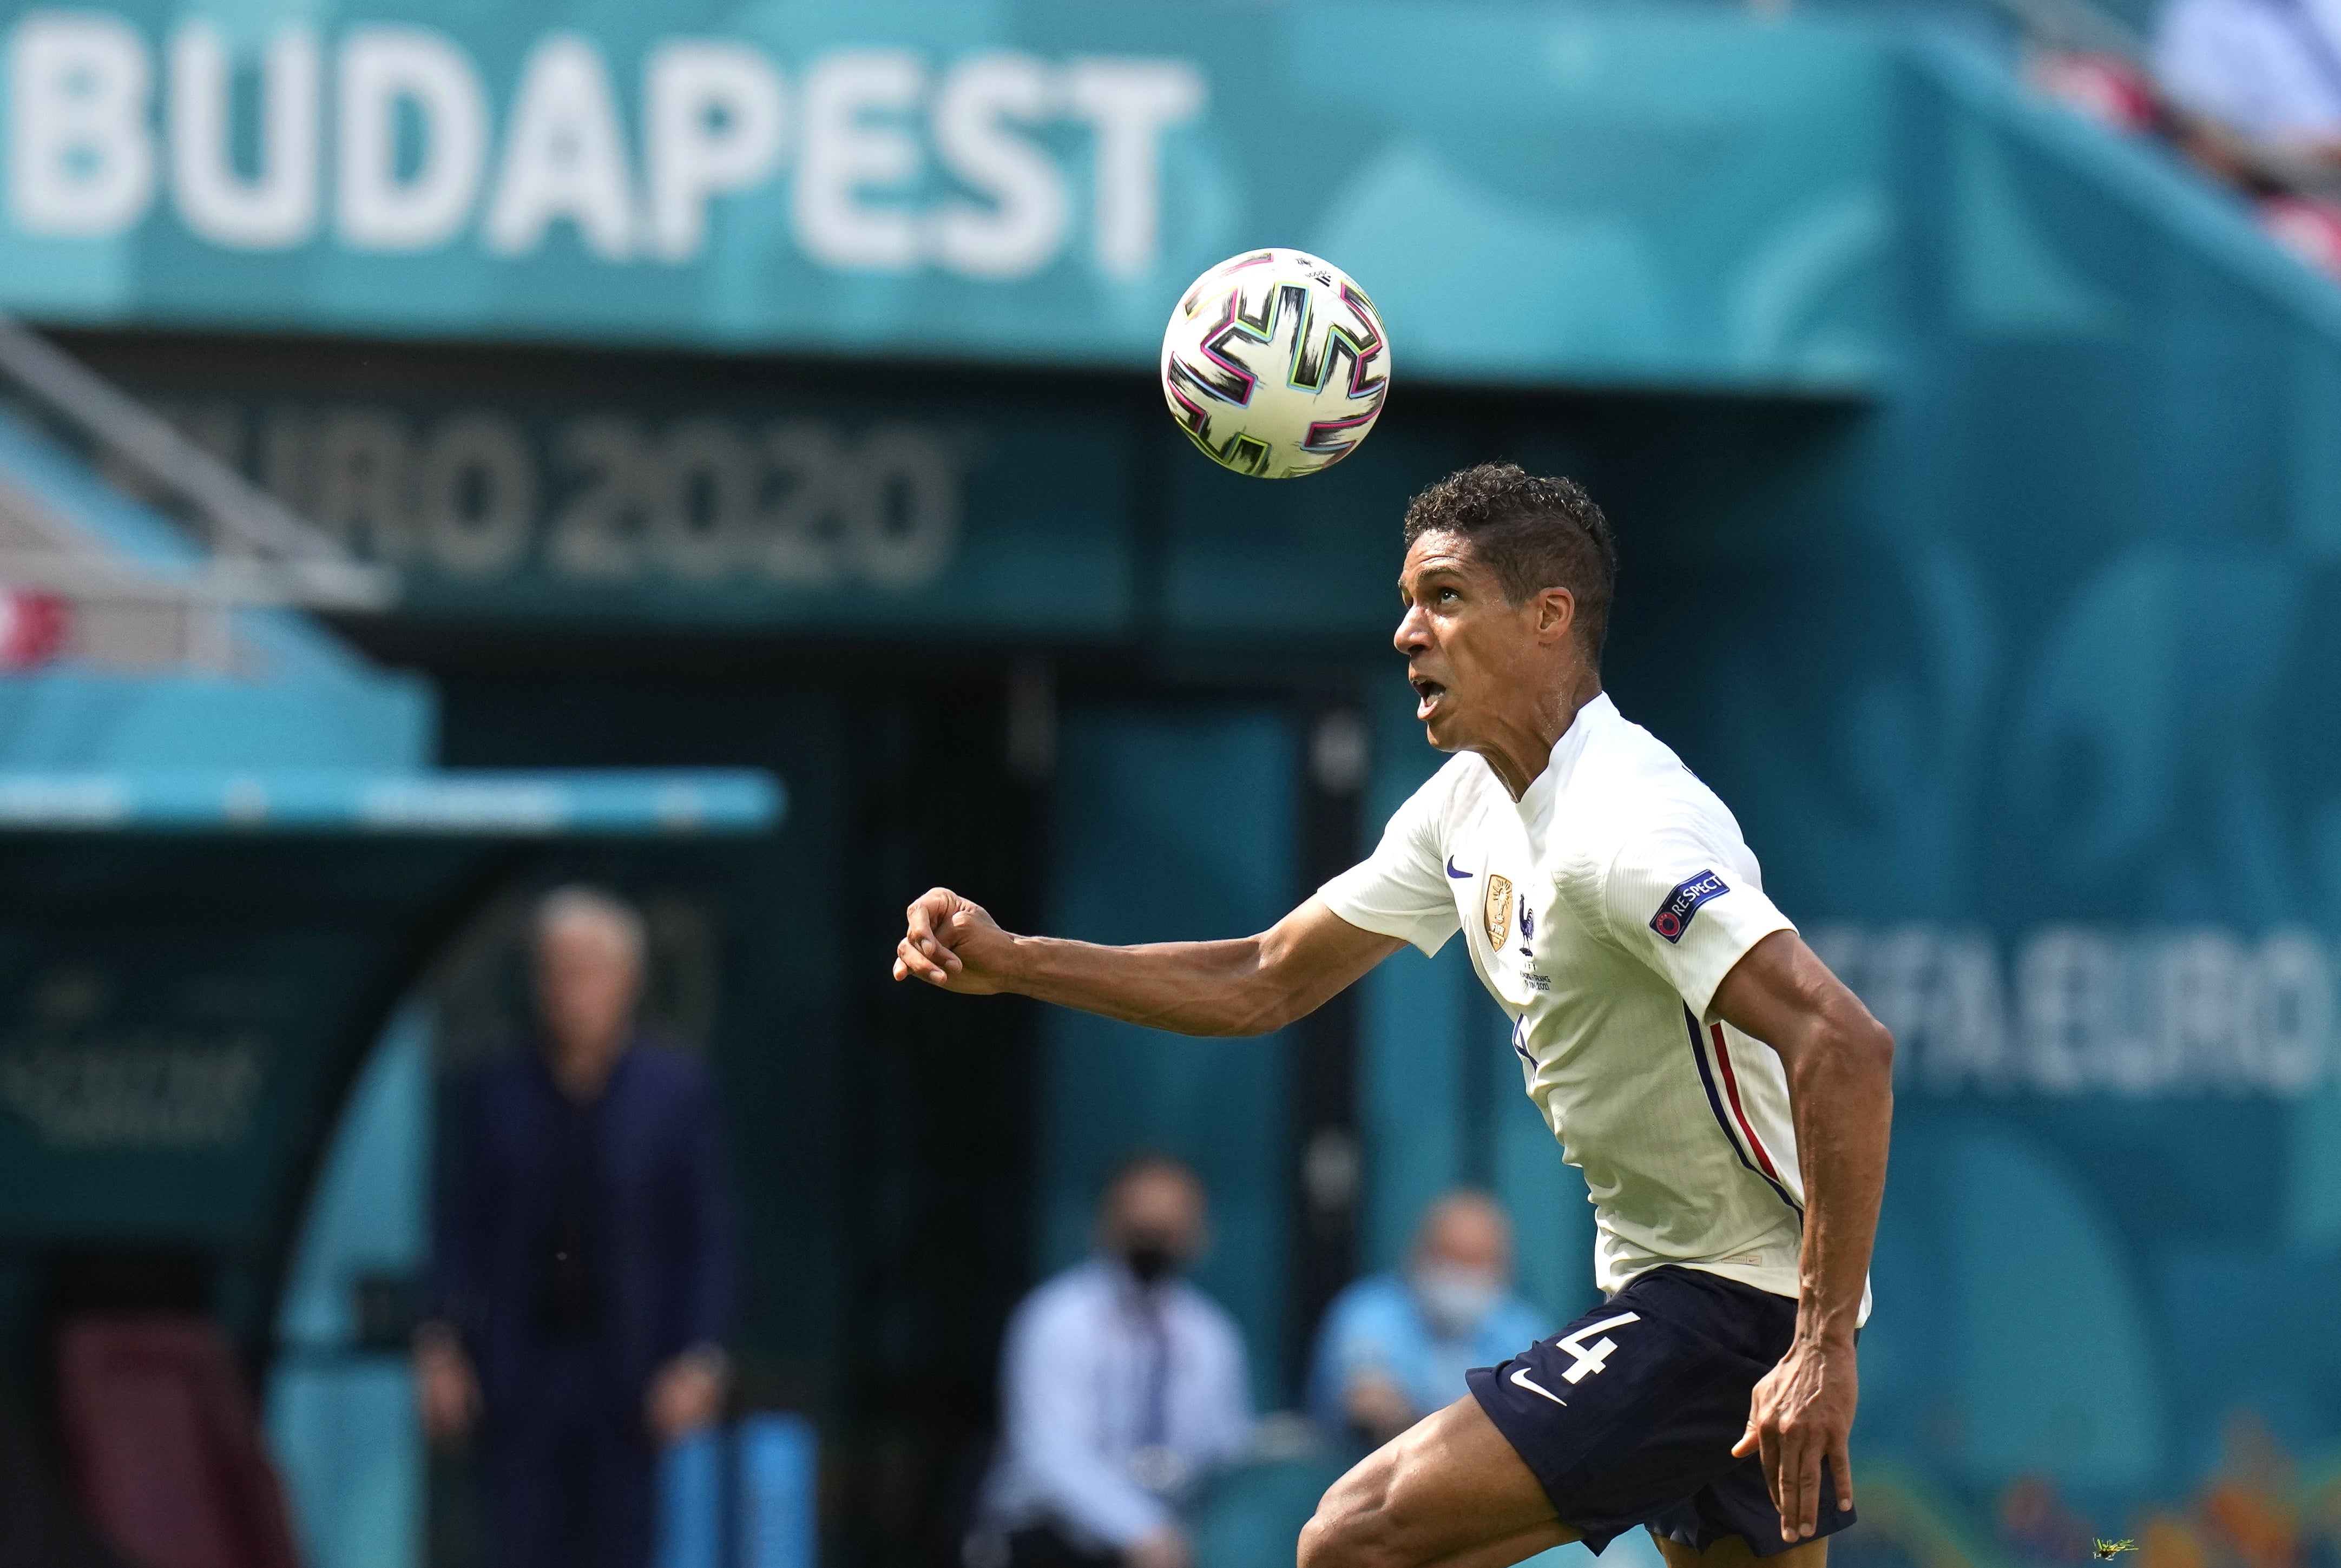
[1520, 1375]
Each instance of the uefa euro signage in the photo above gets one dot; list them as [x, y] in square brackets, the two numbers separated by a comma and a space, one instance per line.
[1026, 183]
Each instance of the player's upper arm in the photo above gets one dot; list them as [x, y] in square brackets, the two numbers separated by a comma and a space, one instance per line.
[1309, 957]
[1679, 894]
[1782, 993]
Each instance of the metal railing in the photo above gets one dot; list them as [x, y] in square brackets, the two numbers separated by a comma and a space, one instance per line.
[255, 552]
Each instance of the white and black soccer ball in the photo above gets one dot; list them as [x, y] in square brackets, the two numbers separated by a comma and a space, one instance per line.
[1276, 363]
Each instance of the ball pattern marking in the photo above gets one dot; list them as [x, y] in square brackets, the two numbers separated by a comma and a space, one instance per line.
[1275, 364]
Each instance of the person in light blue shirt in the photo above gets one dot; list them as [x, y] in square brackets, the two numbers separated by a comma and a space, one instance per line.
[1395, 1346]
[2267, 70]
[1122, 1388]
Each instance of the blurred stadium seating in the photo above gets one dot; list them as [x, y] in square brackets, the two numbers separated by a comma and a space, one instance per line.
[165, 1446]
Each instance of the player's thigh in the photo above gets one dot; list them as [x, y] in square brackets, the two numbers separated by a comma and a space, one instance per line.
[1447, 1485]
[1731, 1552]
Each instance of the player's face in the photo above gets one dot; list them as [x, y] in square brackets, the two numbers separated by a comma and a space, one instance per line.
[1470, 655]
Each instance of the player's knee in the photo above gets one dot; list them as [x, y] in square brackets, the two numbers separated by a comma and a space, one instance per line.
[1313, 1552]
[1346, 1538]
[1354, 1525]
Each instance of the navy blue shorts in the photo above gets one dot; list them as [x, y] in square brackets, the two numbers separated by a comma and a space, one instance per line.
[1627, 1416]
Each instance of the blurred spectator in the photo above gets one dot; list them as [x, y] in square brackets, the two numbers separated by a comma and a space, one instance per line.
[2037, 1526]
[2320, 1519]
[2166, 1539]
[2251, 91]
[2308, 227]
[582, 1267]
[2251, 1512]
[2107, 88]
[2246, 1508]
[1122, 1388]
[1394, 1346]
[2268, 70]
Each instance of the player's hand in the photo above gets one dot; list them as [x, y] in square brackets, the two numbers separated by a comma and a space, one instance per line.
[952, 943]
[1800, 1416]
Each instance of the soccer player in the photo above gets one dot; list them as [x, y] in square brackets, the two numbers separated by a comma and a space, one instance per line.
[1727, 1098]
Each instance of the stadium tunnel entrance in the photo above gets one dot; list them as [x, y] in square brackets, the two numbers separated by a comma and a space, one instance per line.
[198, 963]
[998, 631]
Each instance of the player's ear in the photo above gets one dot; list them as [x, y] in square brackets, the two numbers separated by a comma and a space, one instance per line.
[1556, 615]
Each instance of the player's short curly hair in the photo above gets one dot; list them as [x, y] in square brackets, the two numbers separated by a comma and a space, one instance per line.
[1534, 533]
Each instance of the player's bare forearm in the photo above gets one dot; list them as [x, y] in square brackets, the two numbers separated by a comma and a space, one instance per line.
[1840, 1068]
[1221, 988]
[1243, 986]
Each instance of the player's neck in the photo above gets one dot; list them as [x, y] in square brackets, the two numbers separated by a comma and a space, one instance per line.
[1522, 748]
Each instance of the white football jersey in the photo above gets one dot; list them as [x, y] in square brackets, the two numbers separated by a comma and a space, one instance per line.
[1602, 909]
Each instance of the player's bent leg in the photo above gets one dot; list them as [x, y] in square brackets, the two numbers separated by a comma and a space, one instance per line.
[1731, 1552]
[1447, 1493]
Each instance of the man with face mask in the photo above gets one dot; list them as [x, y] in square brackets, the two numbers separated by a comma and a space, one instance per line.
[1122, 1388]
[1395, 1346]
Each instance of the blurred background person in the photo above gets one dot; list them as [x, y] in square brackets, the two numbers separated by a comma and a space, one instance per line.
[1122, 1388]
[582, 1267]
[1394, 1346]
[2268, 71]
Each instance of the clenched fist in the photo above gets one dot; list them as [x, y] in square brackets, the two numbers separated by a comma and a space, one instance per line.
[952, 943]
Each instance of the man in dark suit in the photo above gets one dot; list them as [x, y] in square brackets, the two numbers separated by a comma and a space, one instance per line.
[583, 1267]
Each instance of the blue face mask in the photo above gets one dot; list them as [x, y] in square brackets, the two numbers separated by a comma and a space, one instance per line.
[1455, 1300]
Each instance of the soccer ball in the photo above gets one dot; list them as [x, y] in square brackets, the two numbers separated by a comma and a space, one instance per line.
[1275, 364]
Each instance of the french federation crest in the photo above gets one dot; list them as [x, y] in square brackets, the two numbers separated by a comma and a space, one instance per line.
[1498, 908]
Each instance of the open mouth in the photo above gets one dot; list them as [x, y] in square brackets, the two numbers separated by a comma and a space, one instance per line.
[1428, 694]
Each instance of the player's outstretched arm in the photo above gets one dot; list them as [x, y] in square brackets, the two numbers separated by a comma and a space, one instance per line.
[1246, 986]
[1840, 1067]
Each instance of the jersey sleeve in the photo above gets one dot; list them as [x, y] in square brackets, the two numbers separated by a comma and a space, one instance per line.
[1401, 890]
[1676, 896]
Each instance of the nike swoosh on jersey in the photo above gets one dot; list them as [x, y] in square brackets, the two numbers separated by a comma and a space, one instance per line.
[1520, 1375]
[1458, 876]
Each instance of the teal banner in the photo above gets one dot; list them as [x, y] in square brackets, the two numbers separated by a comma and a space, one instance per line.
[673, 496]
[1529, 192]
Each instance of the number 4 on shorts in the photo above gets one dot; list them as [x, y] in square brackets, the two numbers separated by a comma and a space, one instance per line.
[1594, 1358]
